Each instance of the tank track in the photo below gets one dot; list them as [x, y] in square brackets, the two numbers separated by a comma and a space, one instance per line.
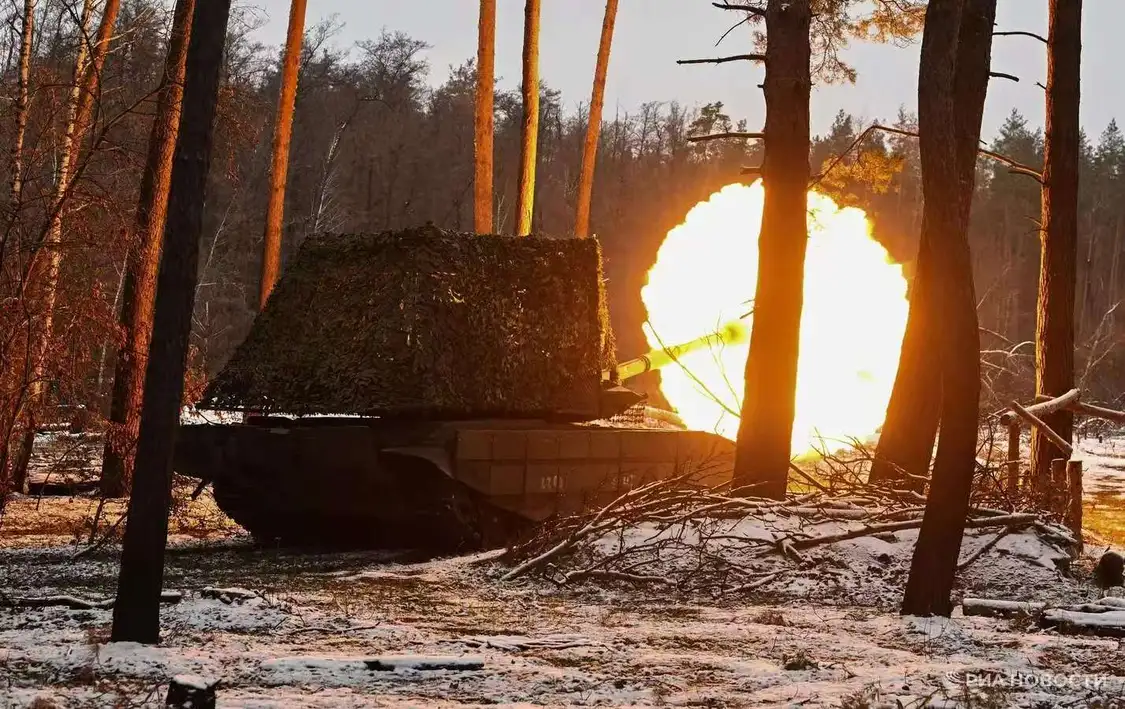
[461, 523]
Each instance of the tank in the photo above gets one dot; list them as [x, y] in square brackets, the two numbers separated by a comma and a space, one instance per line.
[436, 391]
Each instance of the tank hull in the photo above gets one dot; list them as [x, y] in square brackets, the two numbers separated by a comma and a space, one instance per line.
[437, 486]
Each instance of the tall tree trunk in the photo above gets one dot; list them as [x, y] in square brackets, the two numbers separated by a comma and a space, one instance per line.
[9, 419]
[766, 427]
[91, 90]
[594, 125]
[23, 101]
[485, 117]
[906, 443]
[529, 136]
[282, 135]
[136, 614]
[953, 82]
[1054, 334]
[52, 245]
[138, 291]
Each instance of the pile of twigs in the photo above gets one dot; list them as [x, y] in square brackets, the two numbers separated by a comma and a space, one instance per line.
[688, 539]
[841, 467]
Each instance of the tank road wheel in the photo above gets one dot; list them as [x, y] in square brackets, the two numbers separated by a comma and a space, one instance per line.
[485, 525]
[245, 505]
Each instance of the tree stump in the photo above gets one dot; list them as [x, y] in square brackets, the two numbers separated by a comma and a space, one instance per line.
[191, 692]
[1013, 463]
[1074, 499]
[1058, 492]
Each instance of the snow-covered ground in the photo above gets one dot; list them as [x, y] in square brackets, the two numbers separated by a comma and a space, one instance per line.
[341, 637]
[347, 630]
[288, 629]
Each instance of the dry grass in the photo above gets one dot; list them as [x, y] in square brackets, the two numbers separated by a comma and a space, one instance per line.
[59, 521]
[1103, 514]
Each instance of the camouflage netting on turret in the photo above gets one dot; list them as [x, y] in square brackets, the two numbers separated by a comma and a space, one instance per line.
[427, 323]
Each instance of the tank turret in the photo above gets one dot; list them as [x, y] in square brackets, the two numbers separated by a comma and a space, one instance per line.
[427, 389]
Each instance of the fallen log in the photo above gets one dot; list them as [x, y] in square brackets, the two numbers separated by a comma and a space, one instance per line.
[1112, 601]
[423, 664]
[1013, 520]
[1042, 408]
[76, 603]
[405, 663]
[1109, 624]
[831, 513]
[989, 608]
[1038, 423]
[1100, 412]
[1094, 607]
[1104, 617]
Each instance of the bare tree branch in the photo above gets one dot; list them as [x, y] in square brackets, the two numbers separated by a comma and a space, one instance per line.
[732, 28]
[1016, 33]
[752, 9]
[1013, 166]
[1002, 75]
[724, 60]
[727, 136]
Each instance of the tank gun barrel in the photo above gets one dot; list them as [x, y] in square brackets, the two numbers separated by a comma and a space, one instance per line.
[734, 332]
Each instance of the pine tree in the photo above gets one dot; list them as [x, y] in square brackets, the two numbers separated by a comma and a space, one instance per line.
[282, 136]
[1054, 334]
[953, 82]
[594, 124]
[136, 613]
[529, 136]
[766, 426]
[138, 292]
[485, 112]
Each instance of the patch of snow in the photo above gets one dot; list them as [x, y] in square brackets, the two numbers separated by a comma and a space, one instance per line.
[251, 615]
[190, 415]
[193, 682]
[865, 570]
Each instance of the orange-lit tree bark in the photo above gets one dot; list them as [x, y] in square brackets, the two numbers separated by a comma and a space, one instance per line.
[8, 419]
[953, 81]
[485, 117]
[1054, 334]
[138, 291]
[766, 426]
[136, 614]
[92, 82]
[529, 135]
[594, 124]
[282, 135]
[47, 283]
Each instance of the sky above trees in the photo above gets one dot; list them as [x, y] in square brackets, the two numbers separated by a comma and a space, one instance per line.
[652, 34]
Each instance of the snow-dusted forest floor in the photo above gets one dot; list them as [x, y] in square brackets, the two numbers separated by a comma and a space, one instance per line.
[306, 637]
[290, 629]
